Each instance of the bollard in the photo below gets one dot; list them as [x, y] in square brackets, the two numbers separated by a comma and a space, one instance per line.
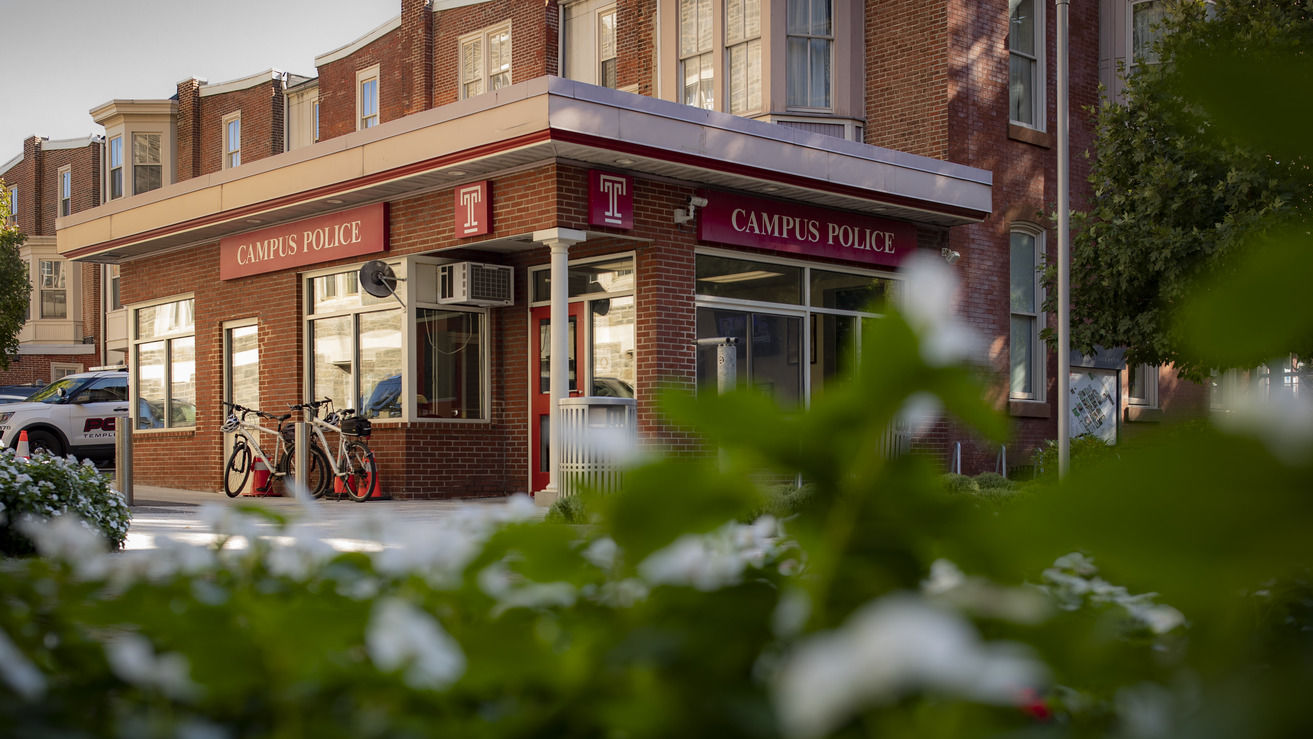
[123, 455]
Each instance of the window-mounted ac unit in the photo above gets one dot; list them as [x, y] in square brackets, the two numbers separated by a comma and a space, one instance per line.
[471, 283]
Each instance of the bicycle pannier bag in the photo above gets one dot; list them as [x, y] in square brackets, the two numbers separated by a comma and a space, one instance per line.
[357, 426]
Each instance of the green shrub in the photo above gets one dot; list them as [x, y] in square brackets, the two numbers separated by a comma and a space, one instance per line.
[45, 487]
[569, 509]
[1084, 448]
[993, 481]
[955, 483]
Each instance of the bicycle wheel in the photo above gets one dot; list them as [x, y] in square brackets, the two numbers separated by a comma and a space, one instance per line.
[318, 481]
[237, 470]
[362, 471]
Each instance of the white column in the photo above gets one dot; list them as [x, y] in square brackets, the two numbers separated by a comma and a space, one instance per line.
[558, 240]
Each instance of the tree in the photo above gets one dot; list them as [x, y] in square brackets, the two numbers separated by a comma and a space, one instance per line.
[15, 289]
[1185, 182]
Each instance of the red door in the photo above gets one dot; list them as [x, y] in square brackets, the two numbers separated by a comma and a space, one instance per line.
[540, 402]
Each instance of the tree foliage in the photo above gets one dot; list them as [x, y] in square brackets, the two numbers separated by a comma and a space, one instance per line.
[15, 289]
[1198, 165]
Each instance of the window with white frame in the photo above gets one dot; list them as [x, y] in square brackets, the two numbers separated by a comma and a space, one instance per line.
[355, 345]
[1142, 385]
[696, 66]
[315, 123]
[810, 48]
[1146, 17]
[743, 54]
[53, 288]
[485, 60]
[147, 162]
[59, 370]
[164, 365]
[1026, 57]
[112, 293]
[232, 140]
[1026, 349]
[116, 167]
[366, 98]
[606, 48]
[65, 190]
[12, 219]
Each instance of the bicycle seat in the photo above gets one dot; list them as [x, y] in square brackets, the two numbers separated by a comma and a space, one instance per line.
[348, 411]
[283, 417]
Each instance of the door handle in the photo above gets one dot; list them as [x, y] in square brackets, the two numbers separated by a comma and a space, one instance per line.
[124, 409]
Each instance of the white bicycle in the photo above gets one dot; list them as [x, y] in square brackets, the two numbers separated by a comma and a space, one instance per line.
[352, 467]
[246, 449]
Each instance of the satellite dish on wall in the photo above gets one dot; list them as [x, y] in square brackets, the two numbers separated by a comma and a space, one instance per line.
[378, 279]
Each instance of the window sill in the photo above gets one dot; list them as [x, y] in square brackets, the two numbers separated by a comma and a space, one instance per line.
[1028, 135]
[1143, 414]
[183, 431]
[1028, 408]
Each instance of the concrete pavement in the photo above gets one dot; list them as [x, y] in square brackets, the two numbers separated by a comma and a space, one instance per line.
[186, 515]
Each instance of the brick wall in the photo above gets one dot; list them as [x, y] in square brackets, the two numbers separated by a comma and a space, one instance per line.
[262, 109]
[636, 45]
[188, 130]
[337, 85]
[534, 38]
[907, 75]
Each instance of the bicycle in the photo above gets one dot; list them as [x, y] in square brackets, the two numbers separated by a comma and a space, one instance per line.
[247, 445]
[354, 463]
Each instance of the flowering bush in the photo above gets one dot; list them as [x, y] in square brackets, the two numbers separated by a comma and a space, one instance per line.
[45, 487]
[883, 606]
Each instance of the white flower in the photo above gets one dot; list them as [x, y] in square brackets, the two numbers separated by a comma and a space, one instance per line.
[919, 413]
[1072, 583]
[929, 301]
[1283, 421]
[791, 613]
[715, 560]
[65, 537]
[976, 595]
[18, 672]
[602, 553]
[402, 636]
[886, 649]
[133, 659]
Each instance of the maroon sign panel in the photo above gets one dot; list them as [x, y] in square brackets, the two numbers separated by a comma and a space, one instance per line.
[473, 210]
[349, 233]
[739, 220]
[610, 199]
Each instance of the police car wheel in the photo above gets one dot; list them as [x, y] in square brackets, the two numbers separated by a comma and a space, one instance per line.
[44, 441]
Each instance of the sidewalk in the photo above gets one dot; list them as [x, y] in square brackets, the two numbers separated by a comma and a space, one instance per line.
[182, 514]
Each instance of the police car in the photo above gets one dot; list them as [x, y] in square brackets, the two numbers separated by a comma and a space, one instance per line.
[75, 415]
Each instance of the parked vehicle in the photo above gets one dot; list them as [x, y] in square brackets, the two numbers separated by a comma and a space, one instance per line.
[76, 414]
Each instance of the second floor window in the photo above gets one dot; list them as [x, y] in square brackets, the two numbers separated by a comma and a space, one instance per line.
[114, 302]
[696, 70]
[316, 120]
[1025, 75]
[1026, 297]
[810, 49]
[13, 207]
[65, 191]
[485, 61]
[606, 55]
[1146, 16]
[116, 167]
[147, 162]
[367, 98]
[54, 289]
[743, 49]
[232, 141]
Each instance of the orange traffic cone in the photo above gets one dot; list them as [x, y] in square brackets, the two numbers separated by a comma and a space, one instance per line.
[22, 449]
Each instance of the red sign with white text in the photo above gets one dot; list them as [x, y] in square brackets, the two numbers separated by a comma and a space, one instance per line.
[739, 220]
[473, 210]
[349, 233]
[610, 199]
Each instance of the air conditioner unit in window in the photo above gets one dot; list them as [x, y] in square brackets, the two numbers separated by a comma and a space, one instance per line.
[471, 283]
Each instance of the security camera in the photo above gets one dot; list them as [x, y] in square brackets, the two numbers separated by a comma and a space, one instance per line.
[697, 202]
[950, 255]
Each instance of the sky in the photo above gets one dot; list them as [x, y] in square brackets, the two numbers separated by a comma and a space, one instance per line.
[64, 57]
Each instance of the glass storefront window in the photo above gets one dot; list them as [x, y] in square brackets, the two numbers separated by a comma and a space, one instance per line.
[740, 279]
[843, 291]
[450, 361]
[614, 369]
[380, 364]
[244, 366]
[331, 338]
[591, 278]
[165, 369]
[769, 351]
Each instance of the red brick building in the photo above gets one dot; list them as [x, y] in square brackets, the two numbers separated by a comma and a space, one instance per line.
[677, 169]
[63, 332]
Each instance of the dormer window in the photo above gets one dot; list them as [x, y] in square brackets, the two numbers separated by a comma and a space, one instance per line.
[65, 190]
[116, 167]
[232, 141]
[367, 98]
[147, 162]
